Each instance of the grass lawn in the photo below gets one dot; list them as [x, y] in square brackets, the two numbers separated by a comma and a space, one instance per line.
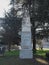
[12, 58]
[41, 52]
[16, 53]
[9, 58]
[12, 53]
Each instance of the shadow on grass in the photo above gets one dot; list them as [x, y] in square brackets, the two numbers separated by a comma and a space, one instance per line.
[12, 58]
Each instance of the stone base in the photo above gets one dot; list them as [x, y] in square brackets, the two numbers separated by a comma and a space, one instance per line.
[26, 54]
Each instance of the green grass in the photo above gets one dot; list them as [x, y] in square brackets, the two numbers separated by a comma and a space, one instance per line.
[41, 52]
[16, 53]
[12, 58]
[12, 53]
[9, 58]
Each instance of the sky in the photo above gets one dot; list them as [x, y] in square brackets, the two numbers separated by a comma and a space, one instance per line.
[4, 5]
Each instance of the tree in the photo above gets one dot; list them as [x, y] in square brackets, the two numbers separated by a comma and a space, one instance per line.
[38, 14]
[38, 10]
[12, 25]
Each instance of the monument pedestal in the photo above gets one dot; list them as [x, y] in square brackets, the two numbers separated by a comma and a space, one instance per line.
[26, 43]
[26, 54]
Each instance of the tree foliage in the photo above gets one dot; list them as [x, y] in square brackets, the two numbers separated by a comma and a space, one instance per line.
[12, 25]
[39, 10]
[39, 15]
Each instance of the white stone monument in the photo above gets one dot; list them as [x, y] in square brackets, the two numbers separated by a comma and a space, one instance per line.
[26, 43]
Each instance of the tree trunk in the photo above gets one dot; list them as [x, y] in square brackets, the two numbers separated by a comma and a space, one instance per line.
[34, 39]
[9, 47]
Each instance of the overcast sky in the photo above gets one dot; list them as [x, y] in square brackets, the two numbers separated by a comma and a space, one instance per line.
[4, 5]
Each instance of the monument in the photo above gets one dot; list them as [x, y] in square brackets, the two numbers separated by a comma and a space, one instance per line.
[26, 43]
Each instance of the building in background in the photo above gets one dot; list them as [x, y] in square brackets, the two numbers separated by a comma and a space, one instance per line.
[2, 30]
